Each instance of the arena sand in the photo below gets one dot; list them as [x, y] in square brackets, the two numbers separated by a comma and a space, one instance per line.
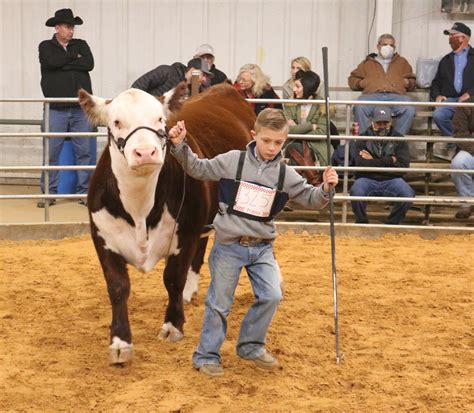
[406, 325]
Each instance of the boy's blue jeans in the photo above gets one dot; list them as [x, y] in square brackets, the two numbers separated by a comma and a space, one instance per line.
[226, 263]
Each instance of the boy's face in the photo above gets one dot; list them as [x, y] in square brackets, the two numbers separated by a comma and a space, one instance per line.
[269, 142]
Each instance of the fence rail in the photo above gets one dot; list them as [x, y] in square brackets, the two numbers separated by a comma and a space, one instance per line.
[344, 197]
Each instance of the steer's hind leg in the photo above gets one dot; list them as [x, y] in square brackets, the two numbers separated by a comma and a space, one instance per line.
[174, 276]
[192, 280]
[118, 287]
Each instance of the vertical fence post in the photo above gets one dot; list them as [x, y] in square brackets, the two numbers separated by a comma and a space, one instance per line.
[195, 82]
[345, 182]
[46, 161]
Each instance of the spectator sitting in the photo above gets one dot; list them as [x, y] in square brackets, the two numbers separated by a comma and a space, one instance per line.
[297, 64]
[165, 77]
[463, 126]
[454, 80]
[252, 83]
[306, 119]
[206, 52]
[384, 76]
[65, 66]
[381, 154]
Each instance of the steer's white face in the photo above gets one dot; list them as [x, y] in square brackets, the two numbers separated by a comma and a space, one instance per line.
[144, 150]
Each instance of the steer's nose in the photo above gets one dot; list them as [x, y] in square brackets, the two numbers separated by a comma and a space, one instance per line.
[146, 155]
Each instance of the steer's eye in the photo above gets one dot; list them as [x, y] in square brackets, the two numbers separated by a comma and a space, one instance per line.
[160, 120]
[117, 124]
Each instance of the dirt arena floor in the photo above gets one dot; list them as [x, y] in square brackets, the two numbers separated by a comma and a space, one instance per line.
[406, 331]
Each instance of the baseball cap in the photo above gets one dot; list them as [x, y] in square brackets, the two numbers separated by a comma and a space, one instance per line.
[200, 64]
[204, 49]
[382, 114]
[459, 27]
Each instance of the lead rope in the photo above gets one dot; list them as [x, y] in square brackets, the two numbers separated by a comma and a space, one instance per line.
[185, 167]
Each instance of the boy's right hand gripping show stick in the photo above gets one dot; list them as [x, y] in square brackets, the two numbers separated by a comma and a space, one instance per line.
[331, 204]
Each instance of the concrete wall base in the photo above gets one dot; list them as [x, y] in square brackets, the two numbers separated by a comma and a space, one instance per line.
[59, 230]
[36, 231]
[371, 230]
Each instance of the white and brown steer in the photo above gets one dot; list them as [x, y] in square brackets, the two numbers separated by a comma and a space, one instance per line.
[137, 188]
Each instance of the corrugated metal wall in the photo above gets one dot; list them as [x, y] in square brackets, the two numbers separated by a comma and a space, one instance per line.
[130, 37]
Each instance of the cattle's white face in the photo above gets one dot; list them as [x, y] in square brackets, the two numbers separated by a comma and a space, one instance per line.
[142, 150]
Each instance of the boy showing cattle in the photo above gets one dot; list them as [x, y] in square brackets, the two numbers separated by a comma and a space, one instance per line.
[254, 186]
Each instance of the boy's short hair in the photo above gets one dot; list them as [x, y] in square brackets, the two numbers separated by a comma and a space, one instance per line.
[274, 119]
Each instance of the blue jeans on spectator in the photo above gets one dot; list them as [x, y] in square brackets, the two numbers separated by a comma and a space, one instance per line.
[442, 117]
[225, 264]
[403, 114]
[464, 182]
[396, 187]
[69, 119]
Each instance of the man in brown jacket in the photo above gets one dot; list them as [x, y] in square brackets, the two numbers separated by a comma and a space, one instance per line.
[463, 127]
[384, 76]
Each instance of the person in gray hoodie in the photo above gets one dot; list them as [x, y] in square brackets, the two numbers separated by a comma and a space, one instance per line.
[254, 186]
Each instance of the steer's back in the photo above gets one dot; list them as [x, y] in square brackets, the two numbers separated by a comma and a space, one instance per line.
[217, 121]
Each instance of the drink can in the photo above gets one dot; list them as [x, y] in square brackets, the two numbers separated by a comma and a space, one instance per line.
[355, 128]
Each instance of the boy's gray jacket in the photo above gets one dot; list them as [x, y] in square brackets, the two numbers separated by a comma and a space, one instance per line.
[229, 227]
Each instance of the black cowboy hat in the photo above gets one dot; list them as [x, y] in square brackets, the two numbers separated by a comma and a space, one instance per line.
[63, 16]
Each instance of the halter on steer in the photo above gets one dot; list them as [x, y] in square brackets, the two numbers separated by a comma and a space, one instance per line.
[121, 142]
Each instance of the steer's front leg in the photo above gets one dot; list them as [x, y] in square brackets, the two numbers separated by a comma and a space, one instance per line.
[118, 287]
[174, 276]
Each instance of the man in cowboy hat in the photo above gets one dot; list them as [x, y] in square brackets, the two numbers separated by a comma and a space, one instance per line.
[65, 66]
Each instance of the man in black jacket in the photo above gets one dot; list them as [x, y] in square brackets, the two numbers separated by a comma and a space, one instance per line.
[206, 52]
[381, 153]
[454, 80]
[163, 78]
[65, 66]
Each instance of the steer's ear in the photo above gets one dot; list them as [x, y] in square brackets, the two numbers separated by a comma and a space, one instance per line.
[173, 100]
[94, 107]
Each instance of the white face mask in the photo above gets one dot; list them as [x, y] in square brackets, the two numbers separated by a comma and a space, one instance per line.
[386, 51]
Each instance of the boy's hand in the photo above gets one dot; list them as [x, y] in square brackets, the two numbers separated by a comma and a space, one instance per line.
[177, 133]
[330, 178]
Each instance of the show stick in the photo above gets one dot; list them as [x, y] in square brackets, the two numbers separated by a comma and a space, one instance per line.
[331, 204]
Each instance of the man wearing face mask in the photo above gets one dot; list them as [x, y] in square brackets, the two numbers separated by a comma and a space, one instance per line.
[454, 80]
[384, 76]
[383, 153]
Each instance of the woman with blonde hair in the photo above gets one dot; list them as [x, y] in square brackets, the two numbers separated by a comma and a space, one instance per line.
[252, 83]
[298, 63]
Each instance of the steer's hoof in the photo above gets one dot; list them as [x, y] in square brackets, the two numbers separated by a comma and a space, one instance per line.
[170, 332]
[120, 352]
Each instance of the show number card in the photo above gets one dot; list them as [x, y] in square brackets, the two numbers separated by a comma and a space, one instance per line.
[254, 199]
